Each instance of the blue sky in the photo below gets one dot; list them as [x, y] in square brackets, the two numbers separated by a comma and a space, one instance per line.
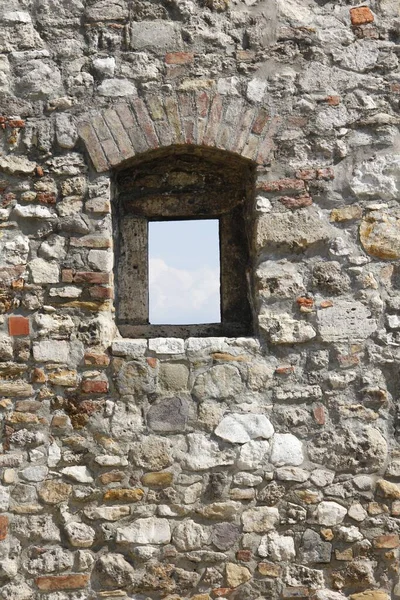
[184, 272]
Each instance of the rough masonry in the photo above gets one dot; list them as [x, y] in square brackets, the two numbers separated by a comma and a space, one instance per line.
[264, 467]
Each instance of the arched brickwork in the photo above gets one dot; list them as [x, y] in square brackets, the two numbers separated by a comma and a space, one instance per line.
[116, 134]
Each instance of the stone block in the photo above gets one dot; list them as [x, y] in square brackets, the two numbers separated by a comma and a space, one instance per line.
[157, 36]
[55, 351]
[345, 321]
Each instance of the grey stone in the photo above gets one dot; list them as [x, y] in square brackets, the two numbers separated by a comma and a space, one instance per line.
[253, 455]
[159, 36]
[6, 348]
[283, 329]
[105, 10]
[241, 428]
[330, 513]
[117, 88]
[313, 549]
[260, 519]
[66, 132]
[145, 531]
[79, 535]
[55, 351]
[221, 382]
[205, 454]
[328, 277]
[169, 415]
[346, 320]
[189, 535]
[112, 571]
[286, 449]
[294, 231]
[277, 547]
[225, 535]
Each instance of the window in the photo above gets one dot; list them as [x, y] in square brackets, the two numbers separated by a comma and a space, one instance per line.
[183, 184]
[184, 277]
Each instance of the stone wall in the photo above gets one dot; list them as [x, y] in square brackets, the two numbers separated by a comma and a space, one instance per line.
[248, 468]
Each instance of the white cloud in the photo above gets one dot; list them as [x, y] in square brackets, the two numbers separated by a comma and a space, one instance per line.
[179, 296]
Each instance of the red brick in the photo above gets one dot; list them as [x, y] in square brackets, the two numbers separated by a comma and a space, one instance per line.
[73, 581]
[46, 197]
[87, 133]
[93, 386]
[214, 119]
[99, 360]
[361, 15]
[326, 173]
[306, 174]
[244, 555]
[3, 527]
[91, 277]
[395, 88]
[16, 123]
[152, 362]
[99, 292]
[260, 121]
[333, 100]
[18, 325]
[67, 276]
[304, 301]
[220, 592]
[179, 58]
[326, 304]
[39, 171]
[297, 202]
[284, 370]
[145, 123]
[281, 184]
[387, 541]
[319, 415]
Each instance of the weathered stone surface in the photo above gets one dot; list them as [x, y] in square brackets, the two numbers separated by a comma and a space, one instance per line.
[286, 449]
[169, 415]
[152, 453]
[253, 455]
[158, 36]
[313, 549]
[107, 513]
[345, 321]
[241, 428]
[283, 329]
[205, 454]
[79, 535]
[17, 165]
[80, 474]
[145, 531]
[124, 495]
[236, 575]
[16, 389]
[54, 492]
[388, 489]
[330, 513]
[380, 235]
[260, 519]
[189, 535]
[221, 382]
[370, 595]
[55, 351]
[225, 535]
[112, 571]
[295, 230]
[277, 547]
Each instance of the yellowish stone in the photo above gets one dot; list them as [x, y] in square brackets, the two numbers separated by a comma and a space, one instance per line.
[236, 575]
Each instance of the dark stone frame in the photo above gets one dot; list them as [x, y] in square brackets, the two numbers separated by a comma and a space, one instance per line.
[182, 183]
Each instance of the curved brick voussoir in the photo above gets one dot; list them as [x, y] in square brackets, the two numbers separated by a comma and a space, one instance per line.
[114, 135]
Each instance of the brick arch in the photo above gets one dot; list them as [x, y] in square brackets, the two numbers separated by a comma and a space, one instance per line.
[116, 134]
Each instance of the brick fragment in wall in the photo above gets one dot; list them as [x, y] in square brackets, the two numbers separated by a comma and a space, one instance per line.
[216, 466]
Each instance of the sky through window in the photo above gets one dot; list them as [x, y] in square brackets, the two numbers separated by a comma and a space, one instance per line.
[184, 272]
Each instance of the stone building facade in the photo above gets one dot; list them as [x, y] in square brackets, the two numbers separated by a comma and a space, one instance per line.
[257, 461]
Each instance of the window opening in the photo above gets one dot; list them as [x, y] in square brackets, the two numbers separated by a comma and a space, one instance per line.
[184, 272]
[188, 185]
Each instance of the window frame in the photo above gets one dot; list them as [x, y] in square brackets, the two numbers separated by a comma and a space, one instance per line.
[134, 209]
